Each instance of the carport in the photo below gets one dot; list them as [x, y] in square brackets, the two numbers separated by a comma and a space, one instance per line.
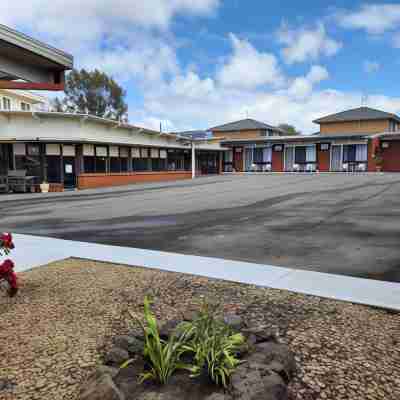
[26, 63]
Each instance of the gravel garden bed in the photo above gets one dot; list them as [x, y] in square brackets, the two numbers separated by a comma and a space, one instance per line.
[58, 329]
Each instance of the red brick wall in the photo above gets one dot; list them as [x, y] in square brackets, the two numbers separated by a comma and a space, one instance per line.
[371, 150]
[87, 181]
[324, 160]
[391, 157]
[277, 161]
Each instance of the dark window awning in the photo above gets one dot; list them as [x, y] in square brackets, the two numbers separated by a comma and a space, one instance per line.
[26, 63]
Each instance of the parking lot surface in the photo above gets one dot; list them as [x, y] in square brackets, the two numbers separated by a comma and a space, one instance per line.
[335, 223]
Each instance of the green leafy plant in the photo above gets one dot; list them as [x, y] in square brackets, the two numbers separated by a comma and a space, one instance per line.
[214, 346]
[162, 356]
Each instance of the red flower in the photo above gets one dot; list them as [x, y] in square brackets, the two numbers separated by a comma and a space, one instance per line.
[6, 268]
[7, 241]
[7, 273]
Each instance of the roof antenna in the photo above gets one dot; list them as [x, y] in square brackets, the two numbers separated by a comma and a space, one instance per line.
[364, 100]
[160, 127]
[247, 114]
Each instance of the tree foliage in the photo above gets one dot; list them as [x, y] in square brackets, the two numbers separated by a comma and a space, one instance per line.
[93, 93]
[289, 129]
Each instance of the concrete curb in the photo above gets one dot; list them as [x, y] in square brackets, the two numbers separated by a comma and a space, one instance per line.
[34, 251]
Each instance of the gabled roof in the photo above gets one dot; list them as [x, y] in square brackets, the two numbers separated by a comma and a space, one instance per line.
[247, 124]
[357, 114]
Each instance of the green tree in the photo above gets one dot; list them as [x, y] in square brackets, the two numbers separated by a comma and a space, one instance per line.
[289, 129]
[93, 93]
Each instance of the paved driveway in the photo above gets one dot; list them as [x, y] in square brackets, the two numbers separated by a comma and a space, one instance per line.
[330, 223]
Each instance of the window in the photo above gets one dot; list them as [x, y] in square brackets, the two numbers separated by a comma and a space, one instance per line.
[141, 163]
[6, 103]
[258, 156]
[177, 160]
[305, 154]
[31, 162]
[25, 106]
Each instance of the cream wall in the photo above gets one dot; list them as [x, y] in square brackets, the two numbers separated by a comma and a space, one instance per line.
[36, 103]
[69, 128]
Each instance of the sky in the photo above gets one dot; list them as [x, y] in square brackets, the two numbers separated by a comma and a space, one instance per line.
[194, 64]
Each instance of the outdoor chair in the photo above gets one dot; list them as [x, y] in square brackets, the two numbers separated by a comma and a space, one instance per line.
[296, 167]
[310, 168]
[4, 184]
[361, 167]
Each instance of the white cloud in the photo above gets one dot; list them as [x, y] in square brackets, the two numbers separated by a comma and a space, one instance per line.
[374, 18]
[303, 86]
[371, 66]
[249, 68]
[272, 106]
[93, 16]
[305, 44]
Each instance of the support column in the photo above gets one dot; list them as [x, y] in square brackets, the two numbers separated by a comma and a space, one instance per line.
[193, 161]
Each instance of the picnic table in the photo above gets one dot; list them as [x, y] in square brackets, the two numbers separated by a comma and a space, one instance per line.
[18, 181]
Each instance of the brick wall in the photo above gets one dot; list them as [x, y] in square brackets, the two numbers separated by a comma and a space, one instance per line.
[87, 181]
[391, 157]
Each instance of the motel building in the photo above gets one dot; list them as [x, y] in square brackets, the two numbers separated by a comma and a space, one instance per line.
[358, 140]
[71, 151]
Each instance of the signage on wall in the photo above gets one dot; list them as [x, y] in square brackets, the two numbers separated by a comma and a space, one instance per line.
[385, 145]
[278, 147]
[325, 146]
[238, 150]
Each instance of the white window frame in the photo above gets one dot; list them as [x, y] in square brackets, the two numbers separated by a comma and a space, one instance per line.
[26, 105]
[4, 98]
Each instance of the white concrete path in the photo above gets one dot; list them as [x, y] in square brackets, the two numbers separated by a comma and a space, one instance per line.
[34, 251]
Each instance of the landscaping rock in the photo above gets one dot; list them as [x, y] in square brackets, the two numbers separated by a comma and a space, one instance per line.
[254, 381]
[218, 396]
[167, 328]
[277, 357]
[131, 344]
[234, 321]
[102, 388]
[104, 370]
[116, 356]
[259, 334]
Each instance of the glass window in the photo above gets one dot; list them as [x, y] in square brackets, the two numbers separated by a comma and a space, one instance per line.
[25, 106]
[6, 103]
[361, 152]
[258, 155]
[89, 164]
[300, 155]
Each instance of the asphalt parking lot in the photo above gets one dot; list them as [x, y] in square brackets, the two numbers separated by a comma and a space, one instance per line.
[345, 224]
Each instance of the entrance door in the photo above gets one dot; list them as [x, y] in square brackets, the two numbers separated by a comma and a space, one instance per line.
[289, 158]
[69, 172]
[238, 159]
[336, 163]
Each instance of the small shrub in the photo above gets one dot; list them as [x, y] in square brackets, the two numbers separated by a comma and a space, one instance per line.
[163, 356]
[214, 346]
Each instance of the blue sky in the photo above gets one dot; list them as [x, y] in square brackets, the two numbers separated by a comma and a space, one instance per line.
[195, 63]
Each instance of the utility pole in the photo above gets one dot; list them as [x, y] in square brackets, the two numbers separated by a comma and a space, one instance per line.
[193, 160]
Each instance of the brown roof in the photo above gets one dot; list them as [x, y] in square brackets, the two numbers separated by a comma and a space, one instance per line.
[357, 114]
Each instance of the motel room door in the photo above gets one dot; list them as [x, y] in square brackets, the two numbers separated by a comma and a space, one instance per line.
[69, 172]
[238, 159]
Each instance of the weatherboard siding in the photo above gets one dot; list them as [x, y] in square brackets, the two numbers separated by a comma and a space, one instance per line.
[249, 134]
[373, 126]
